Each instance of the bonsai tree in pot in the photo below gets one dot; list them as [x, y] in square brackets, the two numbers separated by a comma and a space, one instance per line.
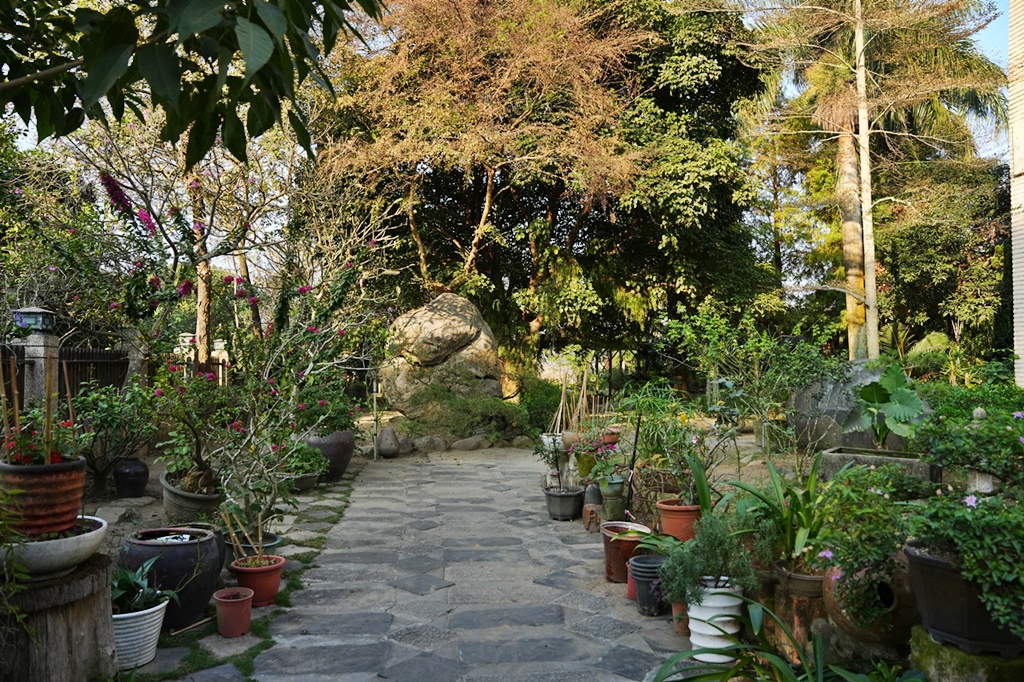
[709, 573]
[260, 572]
[565, 502]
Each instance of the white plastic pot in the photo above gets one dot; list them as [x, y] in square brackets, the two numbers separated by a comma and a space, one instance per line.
[136, 635]
[714, 620]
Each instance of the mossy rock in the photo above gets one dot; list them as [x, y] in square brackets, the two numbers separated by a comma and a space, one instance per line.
[945, 663]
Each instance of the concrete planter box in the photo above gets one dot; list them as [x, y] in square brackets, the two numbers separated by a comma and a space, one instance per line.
[834, 459]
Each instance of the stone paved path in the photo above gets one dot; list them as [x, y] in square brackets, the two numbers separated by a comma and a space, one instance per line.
[447, 568]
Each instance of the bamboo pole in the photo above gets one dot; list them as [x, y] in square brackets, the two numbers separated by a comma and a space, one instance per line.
[14, 395]
[71, 406]
[48, 414]
[8, 437]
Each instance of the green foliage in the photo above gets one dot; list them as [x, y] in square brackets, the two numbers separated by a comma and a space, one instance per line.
[994, 445]
[799, 512]
[716, 557]
[461, 415]
[540, 399]
[887, 405]
[959, 402]
[865, 530]
[61, 61]
[132, 592]
[983, 534]
[119, 421]
[302, 459]
[759, 660]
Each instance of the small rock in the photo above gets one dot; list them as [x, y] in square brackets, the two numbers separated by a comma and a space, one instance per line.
[405, 445]
[472, 443]
[387, 443]
[501, 443]
[522, 442]
[112, 514]
[430, 444]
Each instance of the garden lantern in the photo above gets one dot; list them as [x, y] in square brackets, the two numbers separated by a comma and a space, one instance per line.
[39, 320]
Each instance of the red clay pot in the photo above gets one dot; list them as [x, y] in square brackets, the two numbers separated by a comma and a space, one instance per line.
[50, 496]
[680, 619]
[234, 611]
[264, 581]
[677, 519]
[895, 593]
[630, 585]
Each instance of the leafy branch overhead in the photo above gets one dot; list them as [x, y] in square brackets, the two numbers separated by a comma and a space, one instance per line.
[208, 63]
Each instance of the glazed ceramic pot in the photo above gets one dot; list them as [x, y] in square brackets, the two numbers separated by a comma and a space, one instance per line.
[130, 477]
[338, 447]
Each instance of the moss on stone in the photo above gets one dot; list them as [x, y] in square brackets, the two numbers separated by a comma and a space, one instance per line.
[945, 663]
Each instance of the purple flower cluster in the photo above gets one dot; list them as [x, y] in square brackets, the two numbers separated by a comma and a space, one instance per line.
[115, 193]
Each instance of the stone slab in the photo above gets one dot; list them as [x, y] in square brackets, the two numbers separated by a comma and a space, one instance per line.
[297, 623]
[454, 556]
[329, 660]
[419, 564]
[425, 668]
[421, 636]
[603, 628]
[629, 663]
[221, 673]
[520, 650]
[422, 583]
[479, 619]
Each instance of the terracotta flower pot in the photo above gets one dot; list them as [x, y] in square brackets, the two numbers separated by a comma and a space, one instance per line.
[264, 581]
[234, 611]
[618, 552]
[677, 518]
[680, 618]
[49, 496]
[895, 593]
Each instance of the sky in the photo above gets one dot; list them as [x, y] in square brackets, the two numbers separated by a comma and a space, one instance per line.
[994, 40]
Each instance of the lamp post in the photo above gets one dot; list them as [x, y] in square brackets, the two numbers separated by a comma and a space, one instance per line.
[42, 350]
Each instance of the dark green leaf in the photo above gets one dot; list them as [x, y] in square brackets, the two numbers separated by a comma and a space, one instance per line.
[273, 18]
[199, 16]
[234, 134]
[299, 126]
[874, 393]
[257, 47]
[261, 116]
[105, 71]
[893, 378]
[201, 139]
[160, 67]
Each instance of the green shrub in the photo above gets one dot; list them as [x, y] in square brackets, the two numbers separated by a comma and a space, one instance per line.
[462, 416]
[540, 399]
[959, 402]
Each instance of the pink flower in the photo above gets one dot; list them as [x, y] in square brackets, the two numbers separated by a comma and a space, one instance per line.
[210, 376]
[971, 501]
[158, 393]
[147, 222]
[238, 280]
[192, 340]
[349, 264]
[270, 381]
[314, 330]
[322, 403]
[253, 300]
[825, 554]
[173, 368]
[185, 288]
[228, 279]
[273, 392]
[341, 332]
[114, 305]
[273, 448]
[72, 231]
[293, 426]
[302, 406]
[155, 282]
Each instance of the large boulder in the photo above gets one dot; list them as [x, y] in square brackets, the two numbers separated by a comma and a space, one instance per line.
[446, 342]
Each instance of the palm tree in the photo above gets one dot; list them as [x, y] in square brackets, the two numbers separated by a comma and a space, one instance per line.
[922, 79]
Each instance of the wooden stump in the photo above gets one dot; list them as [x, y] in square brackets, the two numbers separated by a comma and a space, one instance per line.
[70, 633]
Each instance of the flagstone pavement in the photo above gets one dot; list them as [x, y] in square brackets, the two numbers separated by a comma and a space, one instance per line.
[447, 568]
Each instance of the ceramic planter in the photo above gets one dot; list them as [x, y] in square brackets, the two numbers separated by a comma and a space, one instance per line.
[677, 518]
[895, 593]
[136, 635]
[798, 584]
[182, 506]
[338, 447]
[234, 611]
[564, 504]
[714, 620]
[45, 559]
[189, 563]
[552, 441]
[612, 486]
[44, 498]
[618, 552]
[264, 581]
[130, 477]
[951, 608]
[243, 549]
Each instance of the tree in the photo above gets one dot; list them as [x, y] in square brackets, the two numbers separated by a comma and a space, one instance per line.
[59, 63]
[908, 69]
[569, 169]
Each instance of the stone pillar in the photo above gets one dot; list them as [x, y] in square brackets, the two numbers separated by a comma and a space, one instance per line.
[42, 353]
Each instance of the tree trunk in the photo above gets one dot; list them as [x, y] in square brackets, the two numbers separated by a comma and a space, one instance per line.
[1017, 180]
[204, 275]
[867, 216]
[853, 245]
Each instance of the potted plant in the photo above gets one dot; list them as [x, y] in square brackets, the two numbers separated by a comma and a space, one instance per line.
[117, 423]
[709, 574]
[867, 591]
[260, 572]
[302, 466]
[889, 405]
[967, 569]
[234, 611]
[327, 416]
[565, 502]
[40, 470]
[138, 613]
[691, 466]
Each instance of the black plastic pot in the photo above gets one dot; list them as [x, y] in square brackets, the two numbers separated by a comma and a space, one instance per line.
[951, 608]
[644, 571]
[565, 504]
